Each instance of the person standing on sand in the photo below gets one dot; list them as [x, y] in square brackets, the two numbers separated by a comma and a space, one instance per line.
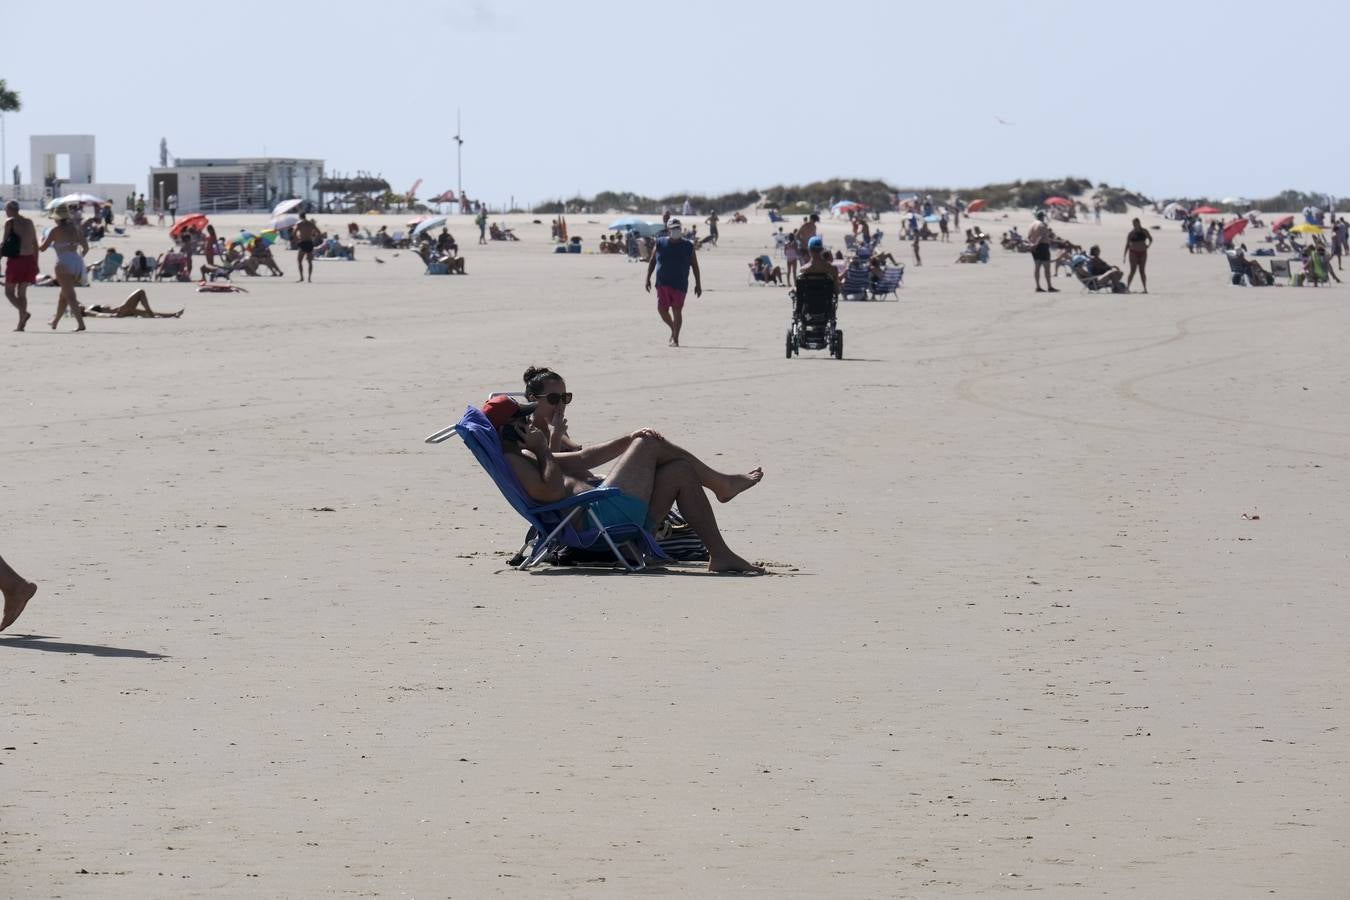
[1038, 238]
[712, 227]
[21, 265]
[173, 208]
[305, 234]
[70, 246]
[672, 261]
[17, 593]
[808, 230]
[1136, 250]
[481, 222]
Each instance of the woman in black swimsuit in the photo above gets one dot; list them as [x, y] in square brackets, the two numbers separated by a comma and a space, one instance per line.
[1136, 250]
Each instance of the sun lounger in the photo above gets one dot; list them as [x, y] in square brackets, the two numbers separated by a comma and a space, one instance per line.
[888, 283]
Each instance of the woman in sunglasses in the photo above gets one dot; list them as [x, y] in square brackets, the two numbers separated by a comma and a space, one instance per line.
[547, 389]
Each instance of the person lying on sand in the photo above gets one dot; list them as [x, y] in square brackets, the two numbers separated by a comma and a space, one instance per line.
[136, 306]
[649, 474]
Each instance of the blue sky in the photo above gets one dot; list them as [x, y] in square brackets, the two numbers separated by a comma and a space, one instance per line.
[560, 98]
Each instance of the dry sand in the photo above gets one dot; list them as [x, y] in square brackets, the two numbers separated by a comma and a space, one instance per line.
[1020, 636]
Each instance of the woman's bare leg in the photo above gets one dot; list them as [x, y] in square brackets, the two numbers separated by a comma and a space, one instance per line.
[675, 482]
[17, 592]
[67, 301]
[723, 486]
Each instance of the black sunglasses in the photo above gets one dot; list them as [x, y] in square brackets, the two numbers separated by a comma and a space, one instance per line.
[555, 399]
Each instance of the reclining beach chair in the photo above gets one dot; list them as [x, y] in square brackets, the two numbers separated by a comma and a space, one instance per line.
[138, 269]
[107, 268]
[888, 283]
[571, 522]
[857, 281]
[1279, 268]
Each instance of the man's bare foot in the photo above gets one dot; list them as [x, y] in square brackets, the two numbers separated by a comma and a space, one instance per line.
[178, 315]
[733, 564]
[53, 323]
[15, 601]
[23, 320]
[737, 483]
[81, 328]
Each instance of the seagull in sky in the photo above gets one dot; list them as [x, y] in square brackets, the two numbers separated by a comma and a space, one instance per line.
[1002, 121]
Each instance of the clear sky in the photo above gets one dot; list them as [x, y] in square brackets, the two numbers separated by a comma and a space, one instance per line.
[560, 98]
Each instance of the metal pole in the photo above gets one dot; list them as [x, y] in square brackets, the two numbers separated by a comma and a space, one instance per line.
[459, 164]
[4, 159]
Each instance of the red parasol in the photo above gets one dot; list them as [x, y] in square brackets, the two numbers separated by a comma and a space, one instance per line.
[1286, 222]
[1057, 201]
[975, 206]
[1204, 211]
[196, 220]
[1233, 229]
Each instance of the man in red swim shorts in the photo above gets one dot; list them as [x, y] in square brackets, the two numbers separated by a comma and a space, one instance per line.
[20, 245]
[672, 261]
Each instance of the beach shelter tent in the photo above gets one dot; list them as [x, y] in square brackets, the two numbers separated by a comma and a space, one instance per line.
[1204, 211]
[975, 206]
[1057, 201]
[1173, 210]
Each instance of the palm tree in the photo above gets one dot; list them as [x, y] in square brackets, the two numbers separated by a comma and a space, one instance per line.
[9, 102]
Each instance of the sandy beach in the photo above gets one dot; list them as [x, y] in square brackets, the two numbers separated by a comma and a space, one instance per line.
[1057, 599]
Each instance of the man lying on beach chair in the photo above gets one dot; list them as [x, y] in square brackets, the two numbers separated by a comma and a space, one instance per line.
[1096, 274]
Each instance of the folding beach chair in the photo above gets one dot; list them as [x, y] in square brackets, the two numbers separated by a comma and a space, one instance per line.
[888, 283]
[556, 524]
[107, 268]
[1279, 268]
[857, 281]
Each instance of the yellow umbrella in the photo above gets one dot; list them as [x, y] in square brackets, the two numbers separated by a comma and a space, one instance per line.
[1306, 228]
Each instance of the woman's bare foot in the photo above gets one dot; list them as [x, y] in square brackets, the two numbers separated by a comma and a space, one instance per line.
[733, 564]
[23, 320]
[54, 323]
[81, 328]
[738, 483]
[15, 600]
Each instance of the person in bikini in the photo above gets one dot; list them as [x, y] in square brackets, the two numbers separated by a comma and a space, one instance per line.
[1038, 238]
[650, 474]
[70, 246]
[1137, 243]
[136, 306]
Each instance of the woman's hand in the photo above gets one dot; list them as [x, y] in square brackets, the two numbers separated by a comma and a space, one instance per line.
[647, 433]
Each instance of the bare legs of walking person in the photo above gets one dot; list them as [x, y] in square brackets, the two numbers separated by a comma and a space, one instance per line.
[67, 301]
[17, 593]
[17, 295]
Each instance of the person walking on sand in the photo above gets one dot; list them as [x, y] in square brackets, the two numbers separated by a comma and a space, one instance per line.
[1136, 251]
[1038, 238]
[305, 234]
[481, 221]
[712, 228]
[70, 245]
[17, 592]
[20, 247]
[672, 261]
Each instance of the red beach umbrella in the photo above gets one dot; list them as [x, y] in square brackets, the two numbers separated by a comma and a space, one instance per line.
[1204, 211]
[1233, 229]
[1286, 222]
[1057, 201]
[975, 206]
[196, 220]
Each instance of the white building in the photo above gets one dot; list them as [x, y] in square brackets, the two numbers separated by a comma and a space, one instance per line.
[62, 164]
[254, 183]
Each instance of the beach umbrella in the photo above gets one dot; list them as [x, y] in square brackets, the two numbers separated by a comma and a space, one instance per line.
[932, 217]
[1306, 228]
[196, 220]
[1233, 229]
[1057, 201]
[1283, 223]
[428, 224]
[416, 220]
[633, 223]
[844, 206]
[1204, 211]
[285, 206]
[75, 200]
[243, 237]
[975, 206]
[287, 221]
[268, 236]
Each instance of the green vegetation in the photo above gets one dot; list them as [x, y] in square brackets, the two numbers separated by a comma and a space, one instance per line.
[9, 100]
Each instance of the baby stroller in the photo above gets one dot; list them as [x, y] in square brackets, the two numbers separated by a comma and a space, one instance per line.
[814, 304]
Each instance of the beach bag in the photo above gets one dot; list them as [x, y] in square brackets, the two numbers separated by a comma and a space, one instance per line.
[11, 245]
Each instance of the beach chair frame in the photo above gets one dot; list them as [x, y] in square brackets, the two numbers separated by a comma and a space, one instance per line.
[556, 524]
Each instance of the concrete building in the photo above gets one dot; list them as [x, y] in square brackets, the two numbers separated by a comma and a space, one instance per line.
[62, 164]
[253, 183]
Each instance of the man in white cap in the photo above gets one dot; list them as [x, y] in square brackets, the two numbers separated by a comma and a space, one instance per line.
[672, 261]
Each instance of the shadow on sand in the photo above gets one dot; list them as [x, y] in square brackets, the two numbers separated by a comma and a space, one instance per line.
[51, 645]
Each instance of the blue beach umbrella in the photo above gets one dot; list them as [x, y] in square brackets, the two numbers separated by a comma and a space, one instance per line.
[633, 223]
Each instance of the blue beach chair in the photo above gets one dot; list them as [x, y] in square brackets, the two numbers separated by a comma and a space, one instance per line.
[888, 283]
[556, 524]
[857, 281]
